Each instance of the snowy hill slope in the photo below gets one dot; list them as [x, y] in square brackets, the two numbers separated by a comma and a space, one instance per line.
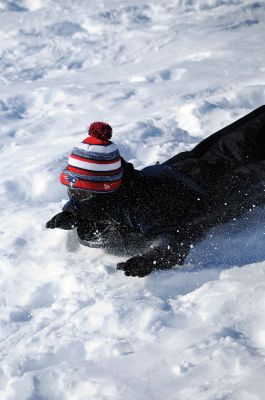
[164, 74]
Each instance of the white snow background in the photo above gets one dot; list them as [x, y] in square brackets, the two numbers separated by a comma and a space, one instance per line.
[164, 74]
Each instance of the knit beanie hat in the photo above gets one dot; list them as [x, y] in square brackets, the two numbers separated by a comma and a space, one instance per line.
[94, 164]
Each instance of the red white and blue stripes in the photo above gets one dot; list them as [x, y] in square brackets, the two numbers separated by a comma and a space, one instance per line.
[94, 165]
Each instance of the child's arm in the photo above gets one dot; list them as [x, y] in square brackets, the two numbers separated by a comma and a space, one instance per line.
[166, 256]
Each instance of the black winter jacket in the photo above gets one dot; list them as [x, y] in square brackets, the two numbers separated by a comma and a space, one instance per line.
[161, 211]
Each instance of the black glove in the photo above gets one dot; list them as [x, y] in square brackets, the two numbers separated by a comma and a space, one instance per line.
[157, 259]
[136, 266]
[64, 220]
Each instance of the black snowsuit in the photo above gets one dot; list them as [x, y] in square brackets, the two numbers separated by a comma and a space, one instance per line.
[161, 211]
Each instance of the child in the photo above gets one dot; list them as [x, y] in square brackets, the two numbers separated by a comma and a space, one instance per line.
[155, 215]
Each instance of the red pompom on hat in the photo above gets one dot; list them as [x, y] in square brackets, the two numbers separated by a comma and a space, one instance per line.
[100, 130]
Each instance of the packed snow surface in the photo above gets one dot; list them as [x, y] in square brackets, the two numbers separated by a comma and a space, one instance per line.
[164, 74]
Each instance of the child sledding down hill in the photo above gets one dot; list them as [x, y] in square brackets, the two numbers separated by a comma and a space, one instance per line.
[155, 215]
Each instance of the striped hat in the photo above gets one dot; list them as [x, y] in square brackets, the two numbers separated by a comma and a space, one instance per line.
[94, 164]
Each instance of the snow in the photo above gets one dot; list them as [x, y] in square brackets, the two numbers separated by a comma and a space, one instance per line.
[164, 74]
